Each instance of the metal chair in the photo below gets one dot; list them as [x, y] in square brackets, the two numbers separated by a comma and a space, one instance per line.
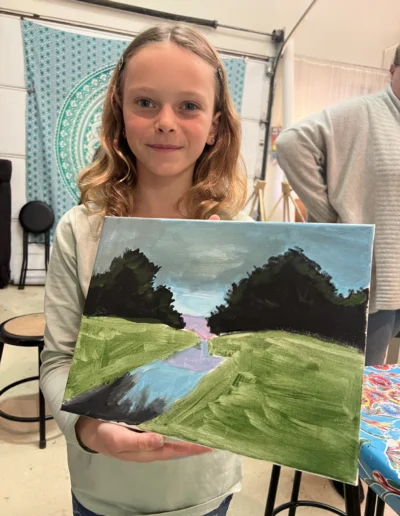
[25, 331]
[35, 217]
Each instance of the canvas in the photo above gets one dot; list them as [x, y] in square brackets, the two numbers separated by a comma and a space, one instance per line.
[243, 336]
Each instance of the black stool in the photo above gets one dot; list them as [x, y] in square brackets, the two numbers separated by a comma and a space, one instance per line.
[25, 331]
[352, 499]
[35, 217]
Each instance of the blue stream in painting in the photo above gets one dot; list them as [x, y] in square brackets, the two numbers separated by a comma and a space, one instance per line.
[173, 378]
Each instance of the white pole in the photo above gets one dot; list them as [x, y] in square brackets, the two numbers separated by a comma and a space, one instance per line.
[274, 184]
[288, 85]
[288, 99]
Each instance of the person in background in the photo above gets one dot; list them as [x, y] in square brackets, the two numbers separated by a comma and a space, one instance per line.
[170, 148]
[344, 164]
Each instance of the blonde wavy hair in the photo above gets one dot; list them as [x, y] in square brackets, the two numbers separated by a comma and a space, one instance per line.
[219, 181]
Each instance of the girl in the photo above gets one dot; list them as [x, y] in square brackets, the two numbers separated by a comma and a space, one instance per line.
[169, 148]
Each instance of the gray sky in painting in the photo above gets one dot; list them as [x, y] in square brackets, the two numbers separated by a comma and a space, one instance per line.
[200, 259]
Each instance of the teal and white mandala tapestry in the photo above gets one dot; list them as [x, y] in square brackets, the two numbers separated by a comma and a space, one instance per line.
[66, 76]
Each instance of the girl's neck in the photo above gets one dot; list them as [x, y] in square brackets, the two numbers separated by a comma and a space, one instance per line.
[158, 197]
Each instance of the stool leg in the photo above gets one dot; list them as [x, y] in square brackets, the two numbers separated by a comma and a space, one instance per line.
[42, 411]
[352, 500]
[24, 265]
[370, 503]
[26, 257]
[380, 507]
[273, 488]
[295, 492]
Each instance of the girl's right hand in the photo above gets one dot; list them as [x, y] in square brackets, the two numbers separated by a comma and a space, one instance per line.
[117, 441]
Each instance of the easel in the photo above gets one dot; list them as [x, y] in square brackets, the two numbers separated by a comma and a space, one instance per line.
[258, 195]
[286, 195]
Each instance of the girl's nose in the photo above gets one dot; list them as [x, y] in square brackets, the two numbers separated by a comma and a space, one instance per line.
[166, 121]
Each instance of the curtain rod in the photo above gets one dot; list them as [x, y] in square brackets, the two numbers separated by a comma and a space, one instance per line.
[328, 62]
[108, 30]
[145, 11]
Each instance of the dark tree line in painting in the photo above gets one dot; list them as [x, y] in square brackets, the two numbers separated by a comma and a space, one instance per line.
[127, 290]
[291, 292]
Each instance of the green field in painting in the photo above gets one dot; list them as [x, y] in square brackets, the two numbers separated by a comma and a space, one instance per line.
[289, 399]
[109, 347]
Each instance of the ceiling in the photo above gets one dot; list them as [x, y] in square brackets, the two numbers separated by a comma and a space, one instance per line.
[352, 31]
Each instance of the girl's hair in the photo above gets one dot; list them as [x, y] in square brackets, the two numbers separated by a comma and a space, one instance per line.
[219, 182]
[397, 57]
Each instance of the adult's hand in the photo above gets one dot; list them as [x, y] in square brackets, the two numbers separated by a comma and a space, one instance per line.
[122, 443]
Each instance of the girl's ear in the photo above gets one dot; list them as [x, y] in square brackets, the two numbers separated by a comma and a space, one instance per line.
[214, 129]
[392, 69]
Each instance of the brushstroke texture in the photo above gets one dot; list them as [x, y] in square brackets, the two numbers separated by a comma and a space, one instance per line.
[291, 292]
[127, 290]
[281, 397]
[106, 402]
[195, 359]
[109, 347]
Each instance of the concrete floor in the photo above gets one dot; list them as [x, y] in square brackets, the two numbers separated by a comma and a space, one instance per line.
[35, 482]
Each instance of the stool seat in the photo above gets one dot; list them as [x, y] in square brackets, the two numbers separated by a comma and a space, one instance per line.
[36, 217]
[28, 331]
[379, 463]
[23, 330]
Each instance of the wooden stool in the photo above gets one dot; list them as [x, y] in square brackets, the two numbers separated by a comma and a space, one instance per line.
[300, 214]
[25, 331]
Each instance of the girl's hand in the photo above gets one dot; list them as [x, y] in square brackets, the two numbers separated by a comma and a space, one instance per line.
[122, 443]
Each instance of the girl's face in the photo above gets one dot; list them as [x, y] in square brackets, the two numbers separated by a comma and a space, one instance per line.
[168, 109]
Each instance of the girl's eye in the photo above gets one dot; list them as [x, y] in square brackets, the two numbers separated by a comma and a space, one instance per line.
[190, 106]
[145, 103]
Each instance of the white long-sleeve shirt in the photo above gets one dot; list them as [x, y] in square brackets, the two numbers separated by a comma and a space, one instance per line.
[344, 164]
[190, 486]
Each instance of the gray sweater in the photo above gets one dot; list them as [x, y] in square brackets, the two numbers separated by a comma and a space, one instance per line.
[344, 164]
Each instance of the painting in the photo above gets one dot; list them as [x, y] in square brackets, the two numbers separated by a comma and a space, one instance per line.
[243, 336]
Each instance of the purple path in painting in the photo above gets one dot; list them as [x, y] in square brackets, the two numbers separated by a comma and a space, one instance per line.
[196, 358]
[198, 325]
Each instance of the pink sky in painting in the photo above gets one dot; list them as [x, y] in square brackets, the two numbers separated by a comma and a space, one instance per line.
[199, 325]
